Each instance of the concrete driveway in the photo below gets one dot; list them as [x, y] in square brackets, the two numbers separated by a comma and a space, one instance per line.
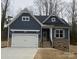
[18, 53]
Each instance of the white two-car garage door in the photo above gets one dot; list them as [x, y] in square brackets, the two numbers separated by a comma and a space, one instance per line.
[24, 40]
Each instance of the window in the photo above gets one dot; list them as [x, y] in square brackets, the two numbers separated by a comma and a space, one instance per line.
[25, 18]
[59, 33]
[53, 19]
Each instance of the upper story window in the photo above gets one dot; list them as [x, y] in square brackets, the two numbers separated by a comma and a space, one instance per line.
[59, 33]
[25, 18]
[53, 19]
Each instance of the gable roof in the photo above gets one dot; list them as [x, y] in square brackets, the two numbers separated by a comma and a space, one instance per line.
[25, 11]
[58, 18]
[63, 21]
[41, 18]
[48, 18]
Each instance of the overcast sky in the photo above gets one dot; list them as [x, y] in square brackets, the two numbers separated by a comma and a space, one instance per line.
[17, 5]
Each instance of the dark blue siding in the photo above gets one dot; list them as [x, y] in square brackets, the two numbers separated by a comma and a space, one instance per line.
[30, 25]
[34, 25]
[57, 22]
[66, 33]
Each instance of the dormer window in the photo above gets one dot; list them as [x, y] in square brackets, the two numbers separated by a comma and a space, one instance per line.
[25, 18]
[53, 19]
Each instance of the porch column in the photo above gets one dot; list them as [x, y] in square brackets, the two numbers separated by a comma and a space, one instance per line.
[51, 36]
[41, 42]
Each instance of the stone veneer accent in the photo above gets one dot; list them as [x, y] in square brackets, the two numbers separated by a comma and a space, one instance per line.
[62, 44]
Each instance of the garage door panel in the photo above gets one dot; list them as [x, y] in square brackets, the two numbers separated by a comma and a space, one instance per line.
[24, 40]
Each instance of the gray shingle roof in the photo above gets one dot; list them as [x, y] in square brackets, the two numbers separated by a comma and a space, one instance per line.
[41, 18]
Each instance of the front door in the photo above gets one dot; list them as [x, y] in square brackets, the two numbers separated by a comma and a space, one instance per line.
[46, 34]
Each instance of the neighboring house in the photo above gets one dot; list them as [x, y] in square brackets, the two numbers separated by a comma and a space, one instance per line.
[27, 30]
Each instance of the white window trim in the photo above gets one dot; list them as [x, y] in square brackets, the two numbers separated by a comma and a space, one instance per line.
[59, 36]
[26, 17]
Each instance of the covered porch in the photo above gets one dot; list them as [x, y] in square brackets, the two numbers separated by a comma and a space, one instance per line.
[46, 36]
[51, 39]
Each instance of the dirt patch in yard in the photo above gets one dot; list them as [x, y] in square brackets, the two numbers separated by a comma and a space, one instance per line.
[51, 53]
[3, 44]
[73, 49]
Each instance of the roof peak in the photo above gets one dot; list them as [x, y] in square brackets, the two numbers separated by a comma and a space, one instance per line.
[25, 10]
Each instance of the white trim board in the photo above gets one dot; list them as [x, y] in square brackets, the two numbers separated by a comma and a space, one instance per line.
[24, 30]
[49, 26]
[25, 11]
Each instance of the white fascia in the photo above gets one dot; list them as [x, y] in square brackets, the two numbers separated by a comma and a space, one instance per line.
[24, 30]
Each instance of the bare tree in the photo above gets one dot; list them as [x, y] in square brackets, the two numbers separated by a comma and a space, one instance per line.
[70, 11]
[71, 14]
[74, 24]
[39, 6]
[74, 11]
[4, 7]
[58, 7]
[48, 7]
[51, 6]
[4, 10]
